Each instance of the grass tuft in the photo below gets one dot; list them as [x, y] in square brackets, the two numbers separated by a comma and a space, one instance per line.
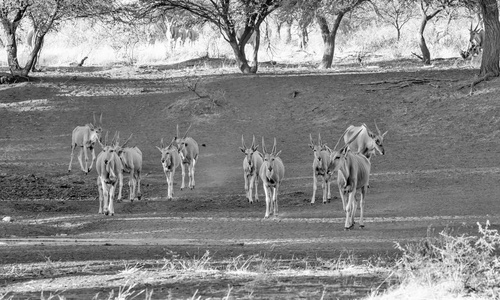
[449, 266]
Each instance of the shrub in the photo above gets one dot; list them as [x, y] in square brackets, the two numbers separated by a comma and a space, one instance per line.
[463, 264]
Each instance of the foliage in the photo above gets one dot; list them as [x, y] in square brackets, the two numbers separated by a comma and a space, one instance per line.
[237, 20]
[470, 263]
[395, 12]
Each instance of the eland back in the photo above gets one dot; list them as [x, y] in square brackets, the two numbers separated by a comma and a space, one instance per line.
[367, 142]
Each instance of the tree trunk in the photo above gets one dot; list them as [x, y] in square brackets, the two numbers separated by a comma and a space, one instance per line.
[255, 63]
[491, 45]
[11, 49]
[305, 38]
[238, 46]
[33, 57]
[328, 39]
[288, 32]
[426, 55]
[241, 60]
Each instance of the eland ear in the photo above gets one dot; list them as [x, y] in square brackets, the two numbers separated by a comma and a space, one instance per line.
[255, 147]
[242, 149]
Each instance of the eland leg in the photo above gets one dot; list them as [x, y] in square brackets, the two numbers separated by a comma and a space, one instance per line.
[268, 200]
[245, 177]
[101, 197]
[324, 187]
[250, 188]
[275, 201]
[93, 158]
[71, 157]
[111, 206]
[362, 206]
[348, 212]
[343, 197]
[86, 160]
[80, 159]
[182, 175]
[315, 182]
[170, 185]
[191, 174]
[328, 193]
[354, 209]
[105, 197]
[256, 187]
[131, 187]
[138, 180]
[120, 187]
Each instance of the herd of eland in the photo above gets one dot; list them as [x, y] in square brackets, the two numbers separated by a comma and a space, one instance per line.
[350, 166]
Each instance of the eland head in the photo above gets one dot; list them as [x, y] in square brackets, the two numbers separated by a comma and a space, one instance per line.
[249, 152]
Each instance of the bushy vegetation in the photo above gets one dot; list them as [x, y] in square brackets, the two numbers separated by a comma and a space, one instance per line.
[362, 35]
[450, 266]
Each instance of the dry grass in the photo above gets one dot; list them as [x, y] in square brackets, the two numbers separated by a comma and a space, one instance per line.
[449, 267]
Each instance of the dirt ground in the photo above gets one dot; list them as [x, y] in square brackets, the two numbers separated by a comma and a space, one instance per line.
[440, 169]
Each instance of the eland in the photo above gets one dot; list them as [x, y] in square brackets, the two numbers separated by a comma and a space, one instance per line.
[353, 174]
[476, 39]
[251, 167]
[271, 173]
[85, 137]
[367, 142]
[188, 152]
[131, 158]
[476, 42]
[320, 168]
[170, 160]
[109, 169]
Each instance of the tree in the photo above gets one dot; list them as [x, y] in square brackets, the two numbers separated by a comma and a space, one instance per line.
[11, 14]
[491, 45]
[428, 10]
[44, 15]
[395, 12]
[326, 10]
[229, 16]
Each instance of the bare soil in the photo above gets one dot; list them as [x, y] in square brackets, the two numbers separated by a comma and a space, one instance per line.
[440, 170]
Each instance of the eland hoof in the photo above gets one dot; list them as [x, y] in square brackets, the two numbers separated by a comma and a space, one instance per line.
[349, 228]
[361, 226]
